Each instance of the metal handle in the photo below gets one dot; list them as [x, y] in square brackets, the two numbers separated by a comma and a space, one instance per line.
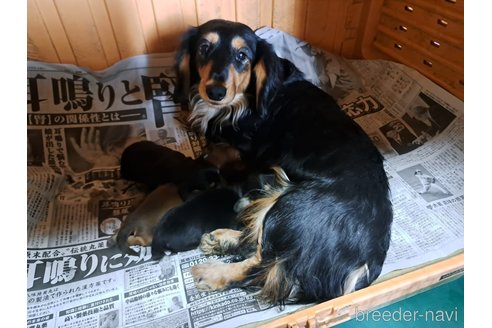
[435, 43]
[442, 22]
[428, 62]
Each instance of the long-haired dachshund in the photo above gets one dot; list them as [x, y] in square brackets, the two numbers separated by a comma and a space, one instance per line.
[325, 229]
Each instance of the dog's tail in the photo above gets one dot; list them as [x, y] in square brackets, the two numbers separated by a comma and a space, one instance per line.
[270, 282]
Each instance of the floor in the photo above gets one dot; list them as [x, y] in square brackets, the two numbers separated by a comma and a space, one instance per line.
[442, 306]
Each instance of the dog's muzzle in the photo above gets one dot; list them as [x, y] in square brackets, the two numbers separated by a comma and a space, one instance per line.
[216, 92]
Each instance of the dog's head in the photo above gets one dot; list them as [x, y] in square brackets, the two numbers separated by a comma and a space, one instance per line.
[228, 63]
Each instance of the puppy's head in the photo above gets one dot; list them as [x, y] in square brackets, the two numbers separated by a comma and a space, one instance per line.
[227, 61]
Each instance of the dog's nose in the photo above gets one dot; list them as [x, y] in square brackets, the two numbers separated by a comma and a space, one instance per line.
[216, 92]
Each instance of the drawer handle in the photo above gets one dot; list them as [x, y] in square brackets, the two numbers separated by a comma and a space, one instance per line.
[398, 46]
[409, 8]
[428, 62]
[403, 28]
[451, 1]
[435, 43]
[442, 22]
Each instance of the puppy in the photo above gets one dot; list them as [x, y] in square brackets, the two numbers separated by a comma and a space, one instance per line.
[325, 229]
[181, 228]
[153, 165]
[173, 179]
[138, 227]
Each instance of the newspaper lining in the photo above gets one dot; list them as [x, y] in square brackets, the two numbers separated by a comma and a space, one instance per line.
[80, 121]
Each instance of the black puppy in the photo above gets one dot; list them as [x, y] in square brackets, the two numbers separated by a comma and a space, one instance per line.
[325, 230]
[154, 165]
[181, 228]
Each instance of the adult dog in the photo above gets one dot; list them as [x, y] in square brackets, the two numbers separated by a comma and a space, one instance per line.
[325, 229]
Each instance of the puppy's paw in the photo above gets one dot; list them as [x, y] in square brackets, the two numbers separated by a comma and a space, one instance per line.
[209, 244]
[220, 241]
[208, 276]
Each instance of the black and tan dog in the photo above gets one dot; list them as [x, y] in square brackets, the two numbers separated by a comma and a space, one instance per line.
[325, 230]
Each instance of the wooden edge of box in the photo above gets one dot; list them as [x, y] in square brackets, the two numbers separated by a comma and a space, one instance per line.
[343, 308]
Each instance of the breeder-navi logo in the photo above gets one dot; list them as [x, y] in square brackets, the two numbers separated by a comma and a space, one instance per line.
[400, 315]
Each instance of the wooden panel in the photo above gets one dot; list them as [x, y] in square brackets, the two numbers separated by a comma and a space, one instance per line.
[98, 33]
[266, 12]
[189, 13]
[210, 9]
[351, 29]
[105, 31]
[290, 16]
[126, 26]
[56, 31]
[39, 46]
[322, 24]
[149, 26]
[172, 21]
[333, 25]
[77, 20]
[248, 12]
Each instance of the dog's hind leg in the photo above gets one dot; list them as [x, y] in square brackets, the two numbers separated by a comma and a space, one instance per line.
[216, 275]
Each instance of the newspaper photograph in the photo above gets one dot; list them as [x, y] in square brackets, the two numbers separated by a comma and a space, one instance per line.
[80, 122]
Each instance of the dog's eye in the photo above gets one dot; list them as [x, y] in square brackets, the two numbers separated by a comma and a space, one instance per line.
[241, 56]
[203, 49]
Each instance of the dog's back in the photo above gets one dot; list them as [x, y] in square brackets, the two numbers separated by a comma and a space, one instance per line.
[333, 221]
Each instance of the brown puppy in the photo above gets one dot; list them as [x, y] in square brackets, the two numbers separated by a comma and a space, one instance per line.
[139, 226]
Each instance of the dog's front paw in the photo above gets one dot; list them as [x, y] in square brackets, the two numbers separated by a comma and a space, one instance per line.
[208, 276]
[220, 241]
[209, 244]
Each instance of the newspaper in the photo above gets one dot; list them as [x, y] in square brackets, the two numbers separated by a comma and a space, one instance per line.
[79, 122]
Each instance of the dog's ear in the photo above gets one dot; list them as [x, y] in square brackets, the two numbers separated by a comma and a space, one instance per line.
[264, 72]
[269, 72]
[185, 65]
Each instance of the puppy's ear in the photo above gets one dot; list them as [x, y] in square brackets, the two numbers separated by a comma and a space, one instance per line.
[270, 71]
[185, 65]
